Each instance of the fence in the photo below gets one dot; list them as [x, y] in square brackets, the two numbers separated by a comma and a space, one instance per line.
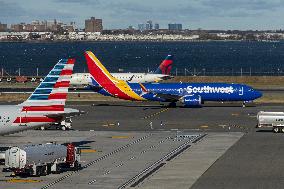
[174, 72]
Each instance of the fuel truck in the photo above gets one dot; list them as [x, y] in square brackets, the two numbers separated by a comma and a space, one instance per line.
[274, 120]
[42, 159]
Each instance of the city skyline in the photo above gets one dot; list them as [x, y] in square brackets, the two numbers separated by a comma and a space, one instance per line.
[116, 14]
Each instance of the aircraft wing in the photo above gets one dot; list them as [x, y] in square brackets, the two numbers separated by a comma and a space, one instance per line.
[68, 112]
[167, 97]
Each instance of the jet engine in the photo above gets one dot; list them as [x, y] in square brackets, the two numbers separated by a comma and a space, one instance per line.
[191, 100]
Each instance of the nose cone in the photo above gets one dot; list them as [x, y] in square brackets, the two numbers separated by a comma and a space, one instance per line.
[257, 94]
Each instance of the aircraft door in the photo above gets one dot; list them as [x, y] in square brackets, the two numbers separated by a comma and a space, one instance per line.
[241, 91]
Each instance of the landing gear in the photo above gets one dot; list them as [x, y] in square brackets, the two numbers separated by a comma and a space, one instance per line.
[244, 104]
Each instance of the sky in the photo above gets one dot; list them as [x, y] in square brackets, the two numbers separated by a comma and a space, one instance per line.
[193, 14]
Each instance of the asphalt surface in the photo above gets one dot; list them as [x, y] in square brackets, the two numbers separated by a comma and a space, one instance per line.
[254, 161]
[124, 116]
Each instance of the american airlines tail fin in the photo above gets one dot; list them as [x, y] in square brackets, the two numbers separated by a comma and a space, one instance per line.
[166, 66]
[51, 94]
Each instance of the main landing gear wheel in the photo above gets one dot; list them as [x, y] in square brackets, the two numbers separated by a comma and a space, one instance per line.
[282, 130]
[244, 105]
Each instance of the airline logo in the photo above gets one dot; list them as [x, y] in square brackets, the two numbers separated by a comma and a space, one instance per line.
[50, 96]
[166, 66]
[110, 84]
[207, 89]
[55, 84]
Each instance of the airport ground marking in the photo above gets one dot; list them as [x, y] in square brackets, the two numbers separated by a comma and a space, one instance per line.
[88, 150]
[23, 181]
[108, 125]
[96, 161]
[121, 137]
[134, 181]
[156, 113]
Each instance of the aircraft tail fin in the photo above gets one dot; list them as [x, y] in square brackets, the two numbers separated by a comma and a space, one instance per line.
[166, 66]
[110, 84]
[51, 93]
[97, 70]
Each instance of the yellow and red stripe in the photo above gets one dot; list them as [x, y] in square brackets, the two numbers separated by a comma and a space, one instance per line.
[112, 85]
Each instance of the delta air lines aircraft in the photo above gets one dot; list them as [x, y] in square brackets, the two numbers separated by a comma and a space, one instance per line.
[162, 73]
[190, 94]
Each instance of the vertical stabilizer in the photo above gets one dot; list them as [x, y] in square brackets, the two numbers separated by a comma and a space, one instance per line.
[166, 66]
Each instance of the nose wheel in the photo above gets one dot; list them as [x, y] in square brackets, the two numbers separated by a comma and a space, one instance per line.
[244, 104]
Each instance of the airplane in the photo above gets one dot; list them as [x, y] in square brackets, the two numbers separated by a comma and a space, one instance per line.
[162, 73]
[190, 94]
[45, 105]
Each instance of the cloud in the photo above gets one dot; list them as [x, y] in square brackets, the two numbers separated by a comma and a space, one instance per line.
[10, 9]
[253, 5]
[121, 13]
[80, 2]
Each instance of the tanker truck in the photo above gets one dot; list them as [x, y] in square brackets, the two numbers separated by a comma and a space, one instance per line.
[273, 120]
[42, 159]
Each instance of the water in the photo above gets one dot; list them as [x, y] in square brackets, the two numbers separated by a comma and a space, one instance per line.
[200, 58]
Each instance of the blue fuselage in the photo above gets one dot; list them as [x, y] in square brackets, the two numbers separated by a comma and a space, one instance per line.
[207, 91]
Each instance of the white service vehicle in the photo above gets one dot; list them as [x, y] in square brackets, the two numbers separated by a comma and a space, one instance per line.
[42, 159]
[274, 120]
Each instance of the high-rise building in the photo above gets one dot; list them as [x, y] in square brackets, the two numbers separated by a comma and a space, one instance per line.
[176, 27]
[141, 27]
[93, 25]
[149, 25]
[3, 27]
[156, 26]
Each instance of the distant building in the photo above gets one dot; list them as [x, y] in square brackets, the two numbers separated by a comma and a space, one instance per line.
[68, 28]
[149, 25]
[3, 27]
[175, 27]
[28, 27]
[17, 27]
[93, 25]
[156, 26]
[141, 27]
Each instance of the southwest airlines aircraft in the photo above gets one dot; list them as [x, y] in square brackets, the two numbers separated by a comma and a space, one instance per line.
[44, 106]
[190, 94]
[162, 73]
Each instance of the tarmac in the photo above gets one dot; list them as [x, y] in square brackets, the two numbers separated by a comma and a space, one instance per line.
[148, 145]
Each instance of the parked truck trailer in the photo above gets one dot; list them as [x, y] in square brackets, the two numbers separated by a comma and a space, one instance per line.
[42, 159]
